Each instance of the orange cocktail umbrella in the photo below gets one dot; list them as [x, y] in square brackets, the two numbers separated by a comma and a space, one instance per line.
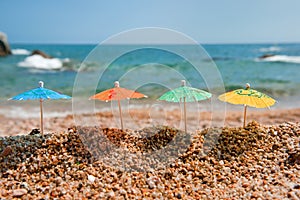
[117, 93]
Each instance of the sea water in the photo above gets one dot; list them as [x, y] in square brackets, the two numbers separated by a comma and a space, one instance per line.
[270, 68]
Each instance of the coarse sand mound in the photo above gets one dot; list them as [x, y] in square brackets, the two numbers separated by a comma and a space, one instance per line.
[252, 162]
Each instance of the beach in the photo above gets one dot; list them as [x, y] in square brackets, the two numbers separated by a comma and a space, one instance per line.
[260, 161]
[140, 118]
[84, 154]
[149, 100]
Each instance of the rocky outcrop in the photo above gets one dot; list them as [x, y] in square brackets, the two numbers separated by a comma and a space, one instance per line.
[266, 56]
[41, 53]
[4, 46]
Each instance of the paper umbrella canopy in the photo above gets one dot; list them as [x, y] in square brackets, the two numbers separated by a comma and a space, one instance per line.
[117, 93]
[247, 97]
[40, 94]
[185, 94]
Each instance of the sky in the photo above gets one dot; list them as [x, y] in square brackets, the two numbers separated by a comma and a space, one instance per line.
[206, 21]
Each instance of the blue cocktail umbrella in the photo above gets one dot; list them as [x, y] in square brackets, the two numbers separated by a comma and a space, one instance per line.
[41, 94]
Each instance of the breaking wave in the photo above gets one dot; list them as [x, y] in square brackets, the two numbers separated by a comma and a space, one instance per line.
[39, 62]
[20, 52]
[281, 58]
[270, 49]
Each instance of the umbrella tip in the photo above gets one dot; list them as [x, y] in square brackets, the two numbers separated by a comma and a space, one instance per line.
[183, 83]
[41, 83]
[117, 84]
[247, 85]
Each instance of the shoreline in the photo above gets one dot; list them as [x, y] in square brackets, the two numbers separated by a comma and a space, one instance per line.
[136, 119]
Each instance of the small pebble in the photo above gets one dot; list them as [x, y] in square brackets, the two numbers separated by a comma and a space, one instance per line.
[19, 192]
[91, 178]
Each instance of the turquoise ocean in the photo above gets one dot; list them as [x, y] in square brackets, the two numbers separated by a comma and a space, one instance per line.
[271, 68]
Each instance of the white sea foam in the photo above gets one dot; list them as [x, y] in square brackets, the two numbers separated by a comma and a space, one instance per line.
[270, 49]
[24, 112]
[39, 62]
[66, 60]
[282, 58]
[20, 52]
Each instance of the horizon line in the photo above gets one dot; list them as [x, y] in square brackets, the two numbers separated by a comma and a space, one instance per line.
[206, 43]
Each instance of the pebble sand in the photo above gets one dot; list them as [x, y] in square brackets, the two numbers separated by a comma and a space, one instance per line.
[255, 162]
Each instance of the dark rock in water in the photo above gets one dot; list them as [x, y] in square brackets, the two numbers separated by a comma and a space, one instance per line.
[4, 46]
[34, 131]
[266, 56]
[41, 53]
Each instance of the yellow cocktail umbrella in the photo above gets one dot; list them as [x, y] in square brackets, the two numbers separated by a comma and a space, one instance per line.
[247, 97]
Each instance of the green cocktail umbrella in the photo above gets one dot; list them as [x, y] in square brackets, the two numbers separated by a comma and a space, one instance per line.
[185, 94]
